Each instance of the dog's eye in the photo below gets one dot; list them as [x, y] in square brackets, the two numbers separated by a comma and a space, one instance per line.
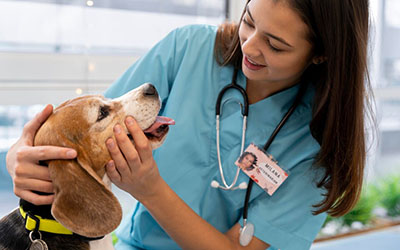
[103, 113]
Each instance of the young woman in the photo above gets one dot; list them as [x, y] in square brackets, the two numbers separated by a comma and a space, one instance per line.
[279, 48]
[247, 161]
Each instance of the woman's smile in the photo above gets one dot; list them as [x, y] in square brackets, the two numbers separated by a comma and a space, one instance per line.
[275, 47]
[252, 65]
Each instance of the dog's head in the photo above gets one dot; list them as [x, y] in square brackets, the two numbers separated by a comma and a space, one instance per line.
[83, 202]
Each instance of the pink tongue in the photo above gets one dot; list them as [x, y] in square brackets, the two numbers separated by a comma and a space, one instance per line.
[160, 120]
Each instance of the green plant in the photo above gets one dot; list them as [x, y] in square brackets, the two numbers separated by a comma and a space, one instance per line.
[362, 212]
[385, 193]
[389, 189]
[114, 238]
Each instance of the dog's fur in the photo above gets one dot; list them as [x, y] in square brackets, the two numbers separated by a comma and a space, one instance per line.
[83, 202]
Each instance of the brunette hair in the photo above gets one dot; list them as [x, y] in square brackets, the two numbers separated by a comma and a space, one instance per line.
[338, 31]
[254, 157]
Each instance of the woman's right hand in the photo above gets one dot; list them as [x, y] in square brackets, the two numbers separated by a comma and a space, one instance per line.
[23, 162]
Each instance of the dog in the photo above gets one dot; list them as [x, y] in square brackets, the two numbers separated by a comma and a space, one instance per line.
[84, 209]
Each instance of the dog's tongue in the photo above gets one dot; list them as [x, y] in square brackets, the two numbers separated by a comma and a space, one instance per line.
[160, 120]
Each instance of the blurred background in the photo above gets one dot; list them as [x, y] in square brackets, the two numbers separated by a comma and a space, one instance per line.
[53, 50]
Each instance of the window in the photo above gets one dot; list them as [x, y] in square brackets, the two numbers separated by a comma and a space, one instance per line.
[387, 87]
[54, 50]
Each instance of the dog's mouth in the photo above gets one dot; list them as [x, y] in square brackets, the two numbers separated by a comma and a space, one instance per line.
[158, 129]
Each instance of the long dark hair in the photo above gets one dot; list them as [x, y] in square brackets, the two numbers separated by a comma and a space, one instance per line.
[338, 30]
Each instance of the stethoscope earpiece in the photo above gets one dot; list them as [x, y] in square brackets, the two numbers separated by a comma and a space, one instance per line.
[243, 185]
[215, 184]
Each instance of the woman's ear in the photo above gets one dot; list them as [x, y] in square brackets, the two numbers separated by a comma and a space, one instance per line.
[319, 59]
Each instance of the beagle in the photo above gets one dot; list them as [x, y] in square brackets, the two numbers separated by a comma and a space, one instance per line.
[84, 209]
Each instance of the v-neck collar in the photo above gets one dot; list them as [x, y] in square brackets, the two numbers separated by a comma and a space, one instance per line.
[270, 110]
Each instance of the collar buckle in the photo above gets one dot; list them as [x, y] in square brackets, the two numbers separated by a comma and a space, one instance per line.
[29, 223]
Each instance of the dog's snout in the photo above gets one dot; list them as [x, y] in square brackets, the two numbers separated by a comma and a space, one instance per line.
[149, 90]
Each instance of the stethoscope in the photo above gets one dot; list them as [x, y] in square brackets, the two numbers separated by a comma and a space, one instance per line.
[247, 231]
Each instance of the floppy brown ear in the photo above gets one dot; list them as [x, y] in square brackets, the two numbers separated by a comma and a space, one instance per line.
[83, 204]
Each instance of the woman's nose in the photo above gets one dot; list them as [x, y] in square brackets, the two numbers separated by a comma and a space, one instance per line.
[251, 46]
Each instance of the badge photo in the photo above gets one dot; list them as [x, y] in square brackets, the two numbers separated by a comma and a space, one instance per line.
[261, 168]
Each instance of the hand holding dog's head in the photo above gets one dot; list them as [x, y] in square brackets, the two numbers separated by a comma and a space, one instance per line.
[83, 203]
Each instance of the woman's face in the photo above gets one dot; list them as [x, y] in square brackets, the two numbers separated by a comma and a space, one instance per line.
[274, 43]
[247, 161]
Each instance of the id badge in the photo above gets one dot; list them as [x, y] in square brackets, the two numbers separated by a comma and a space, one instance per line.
[261, 168]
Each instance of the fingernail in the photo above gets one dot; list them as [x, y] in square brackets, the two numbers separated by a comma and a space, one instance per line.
[110, 143]
[71, 153]
[117, 129]
[110, 164]
[129, 120]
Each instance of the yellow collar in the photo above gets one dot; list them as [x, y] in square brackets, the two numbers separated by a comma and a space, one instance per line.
[33, 222]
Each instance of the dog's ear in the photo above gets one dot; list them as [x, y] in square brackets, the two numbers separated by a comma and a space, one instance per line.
[82, 203]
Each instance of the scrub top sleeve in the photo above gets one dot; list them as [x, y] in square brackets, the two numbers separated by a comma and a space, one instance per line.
[156, 67]
[285, 220]
[123, 242]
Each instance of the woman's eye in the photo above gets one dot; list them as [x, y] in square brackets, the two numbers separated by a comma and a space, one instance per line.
[103, 113]
[274, 48]
[247, 23]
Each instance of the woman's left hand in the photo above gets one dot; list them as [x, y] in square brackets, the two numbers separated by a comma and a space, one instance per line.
[133, 168]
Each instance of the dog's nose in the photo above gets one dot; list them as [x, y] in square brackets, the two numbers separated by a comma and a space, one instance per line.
[149, 90]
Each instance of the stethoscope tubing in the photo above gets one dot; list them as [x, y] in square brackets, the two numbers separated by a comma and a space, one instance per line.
[233, 85]
[245, 112]
[231, 186]
[296, 103]
[247, 231]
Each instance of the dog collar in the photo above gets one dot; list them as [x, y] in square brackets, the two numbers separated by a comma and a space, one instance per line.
[37, 223]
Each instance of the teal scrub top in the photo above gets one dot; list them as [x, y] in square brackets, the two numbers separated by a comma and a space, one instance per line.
[188, 79]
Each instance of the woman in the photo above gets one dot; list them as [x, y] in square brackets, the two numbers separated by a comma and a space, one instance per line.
[247, 161]
[278, 46]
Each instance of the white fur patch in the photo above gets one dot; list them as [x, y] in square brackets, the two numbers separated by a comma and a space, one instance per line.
[102, 244]
[107, 181]
[133, 103]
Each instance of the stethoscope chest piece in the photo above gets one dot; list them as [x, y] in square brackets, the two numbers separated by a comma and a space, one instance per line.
[246, 234]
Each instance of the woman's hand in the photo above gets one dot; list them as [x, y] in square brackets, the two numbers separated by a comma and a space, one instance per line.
[133, 168]
[22, 162]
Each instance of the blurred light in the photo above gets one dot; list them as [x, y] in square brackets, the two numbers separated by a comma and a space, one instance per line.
[78, 91]
[89, 3]
[392, 10]
[91, 67]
